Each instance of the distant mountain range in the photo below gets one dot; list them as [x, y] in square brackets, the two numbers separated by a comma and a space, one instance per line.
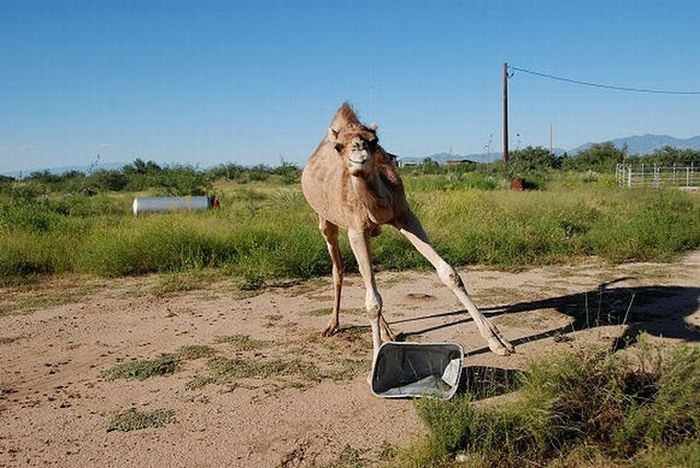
[645, 144]
[636, 144]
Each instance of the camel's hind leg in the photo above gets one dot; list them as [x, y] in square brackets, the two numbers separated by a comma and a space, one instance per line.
[330, 233]
[412, 229]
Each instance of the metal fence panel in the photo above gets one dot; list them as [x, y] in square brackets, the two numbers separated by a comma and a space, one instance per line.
[652, 175]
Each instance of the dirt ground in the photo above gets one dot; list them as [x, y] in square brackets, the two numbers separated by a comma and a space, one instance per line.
[299, 399]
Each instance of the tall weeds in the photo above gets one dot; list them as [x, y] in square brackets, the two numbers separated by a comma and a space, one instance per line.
[266, 232]
[592, 401]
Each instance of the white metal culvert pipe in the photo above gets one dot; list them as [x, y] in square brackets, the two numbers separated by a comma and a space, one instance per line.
[142, 205]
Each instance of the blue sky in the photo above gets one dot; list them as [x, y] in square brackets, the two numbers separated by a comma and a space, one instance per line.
[250, 82]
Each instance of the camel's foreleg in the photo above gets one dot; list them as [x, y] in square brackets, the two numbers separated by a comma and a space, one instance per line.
[330, 233]
[412, 229]
[360, 244]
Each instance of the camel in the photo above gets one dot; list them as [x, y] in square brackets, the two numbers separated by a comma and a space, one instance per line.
[352, 183]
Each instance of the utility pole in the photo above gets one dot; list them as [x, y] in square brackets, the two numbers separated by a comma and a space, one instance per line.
[505, 114]
[550, 139]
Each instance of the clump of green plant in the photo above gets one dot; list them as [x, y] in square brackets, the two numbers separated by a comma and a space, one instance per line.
[143, 369]
[614, 407]
[242, 342]
[190, 352]
[180, 281]
[199, 382]
[346, 369]
[349, 457]
[225, 370]
[133, 420]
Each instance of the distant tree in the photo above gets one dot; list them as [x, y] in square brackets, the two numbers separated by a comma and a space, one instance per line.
[668, 156]
[139, 166]
[429, 166]
[599, 157]
[107, 180]
[289, 173]
[533, 159]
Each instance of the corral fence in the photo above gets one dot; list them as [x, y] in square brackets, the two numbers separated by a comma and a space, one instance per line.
[653, 175]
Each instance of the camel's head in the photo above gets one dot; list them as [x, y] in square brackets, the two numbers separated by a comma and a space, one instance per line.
[357, 146]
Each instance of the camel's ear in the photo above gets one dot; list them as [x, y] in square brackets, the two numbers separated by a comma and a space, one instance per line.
[333, 138]
[332, 134]
[373, 127]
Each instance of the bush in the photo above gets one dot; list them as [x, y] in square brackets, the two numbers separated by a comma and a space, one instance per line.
[595, 399]
[600, 157]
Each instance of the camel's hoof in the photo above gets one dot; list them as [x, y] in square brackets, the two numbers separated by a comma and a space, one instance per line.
[500, 347]
[388, 335]
[330, 331]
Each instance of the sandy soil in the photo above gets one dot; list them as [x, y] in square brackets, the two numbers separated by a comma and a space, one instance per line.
[56, 338]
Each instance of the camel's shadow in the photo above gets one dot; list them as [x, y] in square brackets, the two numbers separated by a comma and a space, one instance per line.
[657, 310]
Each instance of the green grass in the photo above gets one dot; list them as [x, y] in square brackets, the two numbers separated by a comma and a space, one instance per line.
[143, 369]
[166, 364]
[190, 352]
[573, 407]
[227, 370]
[242, 342]
[133, 419]
[265, 232]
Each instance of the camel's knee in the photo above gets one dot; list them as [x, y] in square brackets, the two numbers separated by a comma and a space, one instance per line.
[373, 305]
[449, 276]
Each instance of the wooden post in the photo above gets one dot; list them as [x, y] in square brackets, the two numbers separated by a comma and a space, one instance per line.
[505, 114]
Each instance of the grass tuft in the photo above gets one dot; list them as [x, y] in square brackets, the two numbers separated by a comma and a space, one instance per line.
[225, 370]
[242, 342]
[191, 352]
[133, 420]
[143, 369]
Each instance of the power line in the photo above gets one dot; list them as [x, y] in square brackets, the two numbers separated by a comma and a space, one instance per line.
[606, 86]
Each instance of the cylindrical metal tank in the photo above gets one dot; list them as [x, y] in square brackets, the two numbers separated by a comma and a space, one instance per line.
[143, 205]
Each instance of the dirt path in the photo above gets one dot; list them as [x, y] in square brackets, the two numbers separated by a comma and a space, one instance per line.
[275, 393]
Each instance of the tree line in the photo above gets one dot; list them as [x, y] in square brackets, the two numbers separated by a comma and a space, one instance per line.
[534, 163]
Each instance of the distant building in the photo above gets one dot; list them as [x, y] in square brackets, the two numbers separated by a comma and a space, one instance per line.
[406, 163]
[453, 162]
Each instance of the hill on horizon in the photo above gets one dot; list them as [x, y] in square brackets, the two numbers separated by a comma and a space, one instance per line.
[636, 145]
[646, 144]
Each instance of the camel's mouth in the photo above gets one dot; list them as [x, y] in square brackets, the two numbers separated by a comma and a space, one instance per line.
[358, 164]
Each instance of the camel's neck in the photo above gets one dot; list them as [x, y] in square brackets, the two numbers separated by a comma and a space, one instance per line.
[374, 196]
